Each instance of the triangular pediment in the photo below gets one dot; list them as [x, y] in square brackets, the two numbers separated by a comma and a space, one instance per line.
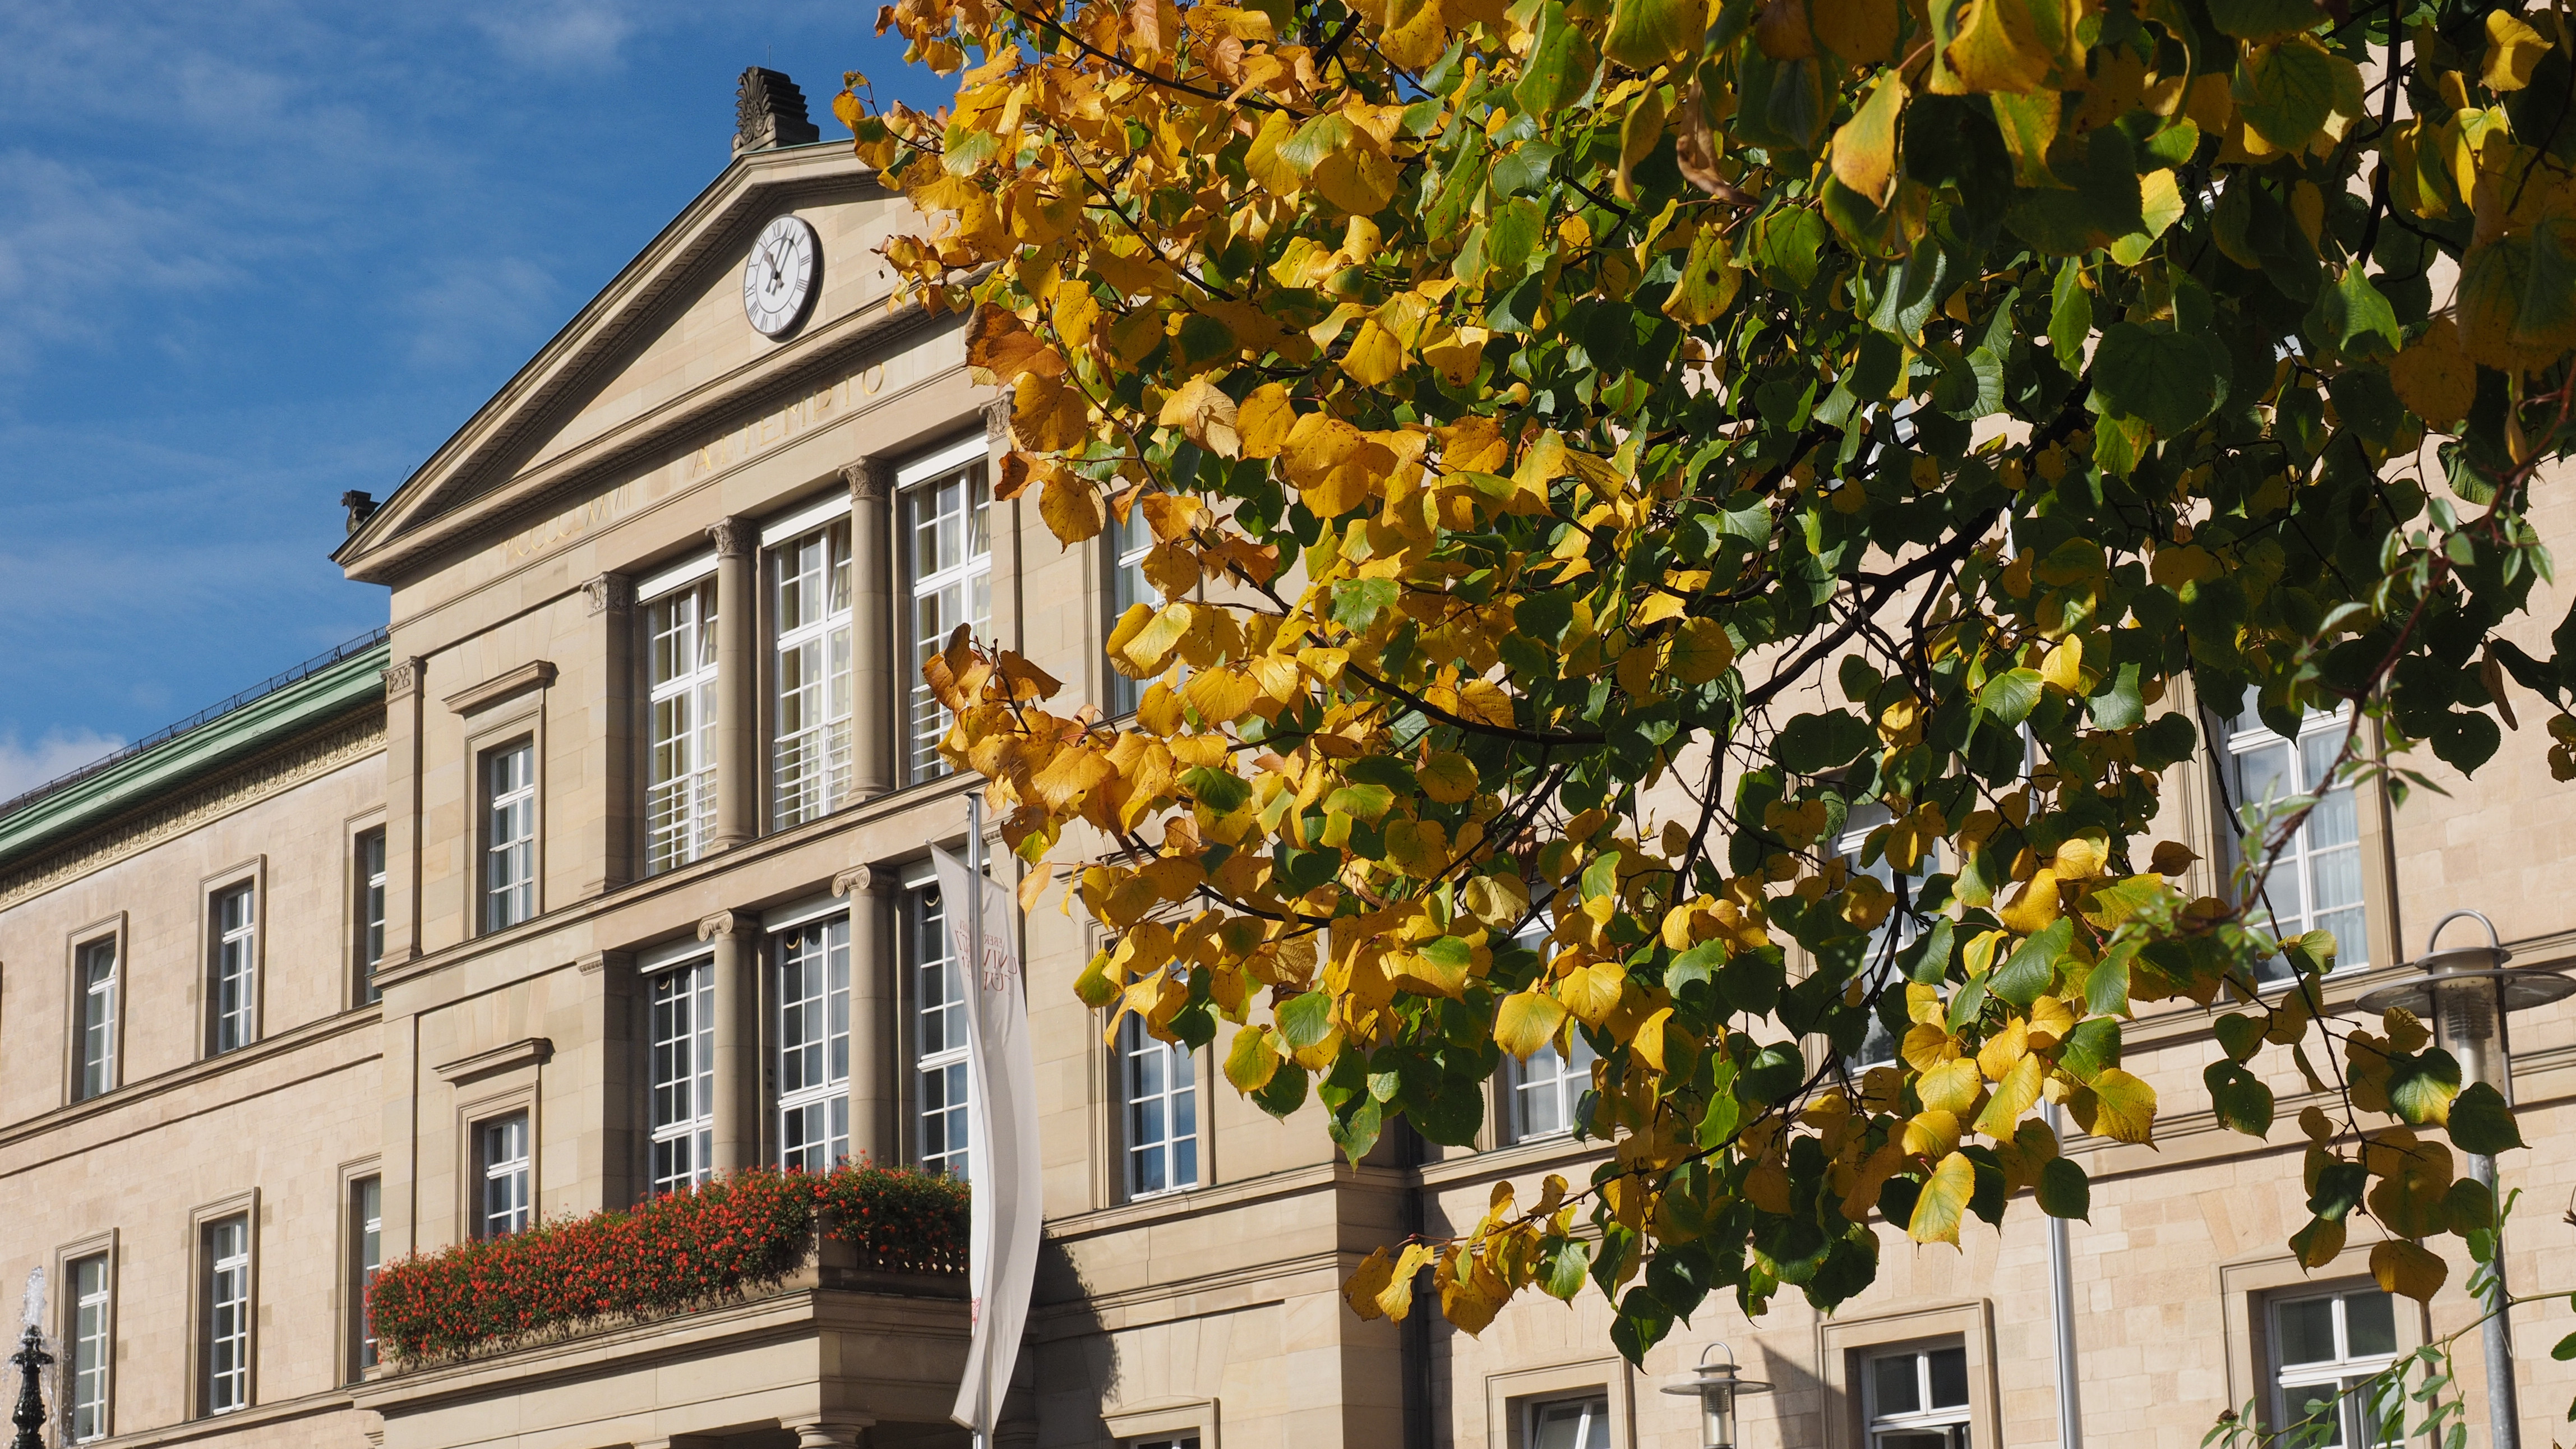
[663, 354]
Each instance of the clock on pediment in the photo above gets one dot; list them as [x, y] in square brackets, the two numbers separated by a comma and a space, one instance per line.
[778, 283]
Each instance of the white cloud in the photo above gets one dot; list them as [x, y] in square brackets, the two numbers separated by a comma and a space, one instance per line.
[54, 754]
[558, 34]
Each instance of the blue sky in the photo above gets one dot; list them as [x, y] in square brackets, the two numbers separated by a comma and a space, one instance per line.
[256, 253]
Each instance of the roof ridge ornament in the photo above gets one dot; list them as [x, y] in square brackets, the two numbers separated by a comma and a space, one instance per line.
[769, 112]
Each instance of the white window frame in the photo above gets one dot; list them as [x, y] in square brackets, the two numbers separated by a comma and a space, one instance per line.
[225, 1244]
[509, 834]
[94, 1064]
[1591, 1420]
[511, 1176]
[2289, 892]
[1125, 546]
[1865, 817]
[232, 997]
[1162, 1155]
[2341, 1373]
[812, 1032]
[970, 574]
[367, 1258]
[680, 1075]
[370, 871]
[680, 793]
[1954, 1421]
[1552, 1079]
[942, 1094]
[89, 1369]
[810, 763]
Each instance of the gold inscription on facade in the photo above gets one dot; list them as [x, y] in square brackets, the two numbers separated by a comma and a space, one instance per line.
[771, 429]
[571, 523]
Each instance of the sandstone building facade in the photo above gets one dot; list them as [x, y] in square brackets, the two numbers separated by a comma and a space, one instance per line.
[553, 896]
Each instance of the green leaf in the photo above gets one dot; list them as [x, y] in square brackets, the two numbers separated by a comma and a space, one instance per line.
[2240, 1098]
[2338, 1190]
[1305, 1019]
[2420, 1086]
[1567, 1264]
[1560, 65]
[2106, 988]
[2091, 1049]
[2239, 1035]
[2481, 1123]
[2064, 1190]
[1646, 33]
[2351, 311]
[1285, 1094]
[1358, 602]
[2070, 317]
[2032, 968]
[2285, 92]
[2008, 698]
[1222, 791]
[1812, 744]
[2162, 378]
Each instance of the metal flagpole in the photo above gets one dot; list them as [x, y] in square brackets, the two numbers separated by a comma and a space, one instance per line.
[975, 982]
[2061, 1298]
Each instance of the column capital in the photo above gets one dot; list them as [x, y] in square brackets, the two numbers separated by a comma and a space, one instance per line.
[845, 1432]
[997, 422]
[865, 880]
[871, 480]
[734, 538]
[403, 676]
[723, 923]
[610, 594]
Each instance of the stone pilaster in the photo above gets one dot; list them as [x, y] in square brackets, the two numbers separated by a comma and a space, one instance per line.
[404, 698]
[616, 847]
[877, 723]
[737, 1026]
[737, 682]
[876, 1055]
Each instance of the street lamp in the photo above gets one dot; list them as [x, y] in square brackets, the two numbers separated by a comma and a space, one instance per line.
[1717, 1386]
[31, 1359]
[2466, 993]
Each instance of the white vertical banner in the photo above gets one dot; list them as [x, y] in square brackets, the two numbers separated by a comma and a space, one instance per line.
[1008, 1207]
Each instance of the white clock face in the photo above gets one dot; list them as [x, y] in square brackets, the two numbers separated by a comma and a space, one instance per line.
[778, 281]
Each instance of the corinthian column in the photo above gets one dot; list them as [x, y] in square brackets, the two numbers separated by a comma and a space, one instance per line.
[737, 682]
[875, 1051]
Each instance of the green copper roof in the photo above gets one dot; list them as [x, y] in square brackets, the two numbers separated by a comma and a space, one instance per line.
[269, 714]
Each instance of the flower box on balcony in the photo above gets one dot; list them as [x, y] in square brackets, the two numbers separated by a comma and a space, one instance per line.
[855, 1227]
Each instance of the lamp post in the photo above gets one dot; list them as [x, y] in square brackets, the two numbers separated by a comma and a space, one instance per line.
[1717, 1387]
[2467, 993]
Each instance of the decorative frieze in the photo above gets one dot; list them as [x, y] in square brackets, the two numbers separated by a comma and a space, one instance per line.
[264, 778]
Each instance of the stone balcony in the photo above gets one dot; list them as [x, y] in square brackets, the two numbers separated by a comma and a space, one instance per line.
[831, 1359]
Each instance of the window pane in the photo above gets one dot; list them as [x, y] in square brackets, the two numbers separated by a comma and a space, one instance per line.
[91, 1352]
[680, 750]
[227, 1315]
[1573, 1424]
[1949, 1372]
[812, 1069]
[2369, 1324]
[1894, 1387]
[2307, 1331]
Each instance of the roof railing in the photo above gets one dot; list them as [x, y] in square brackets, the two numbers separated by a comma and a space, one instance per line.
[208, 715]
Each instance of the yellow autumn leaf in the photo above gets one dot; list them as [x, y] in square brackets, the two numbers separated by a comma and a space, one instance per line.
[2015, 1094]
[1944, 1201]
[1526, 1021]
[2408, 1269]
[1864, 150]
[1952, 1087]
[2034, 907]
[1858, 32]
[2063, 669]
[2123, 1107]
[2513, 49]
[1264, 420]
[1648, 1043]
[2434, 378]
[1070, 506]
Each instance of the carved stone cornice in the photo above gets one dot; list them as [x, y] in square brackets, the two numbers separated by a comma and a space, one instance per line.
[997, 422]
[317, 756]
[871, 480]
[610, 594]
[534, 1051]
[537, 674]
[735, 538]
[403, 677]
[724, 923]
